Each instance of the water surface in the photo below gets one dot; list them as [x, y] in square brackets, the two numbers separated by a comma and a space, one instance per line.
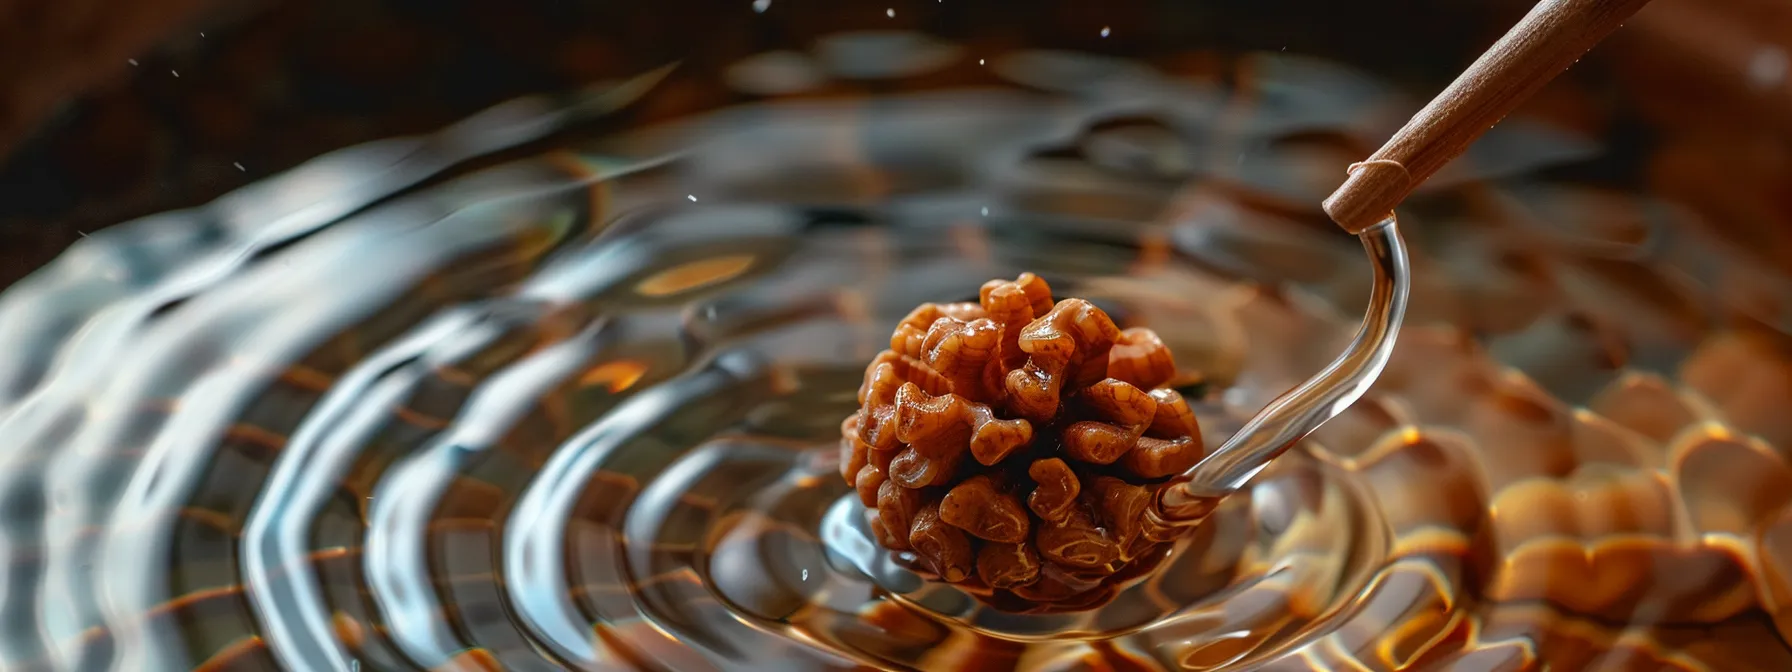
[404, 408]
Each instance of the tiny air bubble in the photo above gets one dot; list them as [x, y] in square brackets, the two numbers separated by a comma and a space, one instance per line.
[131, 61]
[693, 197]
[1104, 31]
[176, 74]
[890, 13]
[986, 212]
[761, 5]
[239, 166]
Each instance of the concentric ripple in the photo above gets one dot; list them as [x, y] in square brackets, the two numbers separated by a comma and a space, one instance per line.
[393, 411]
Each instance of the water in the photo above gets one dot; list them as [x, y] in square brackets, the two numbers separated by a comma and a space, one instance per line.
[400, 409]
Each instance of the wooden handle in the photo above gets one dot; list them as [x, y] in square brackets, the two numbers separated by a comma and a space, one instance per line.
[1554, 35]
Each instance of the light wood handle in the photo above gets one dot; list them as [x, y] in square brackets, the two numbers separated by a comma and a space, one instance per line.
[1554, 35]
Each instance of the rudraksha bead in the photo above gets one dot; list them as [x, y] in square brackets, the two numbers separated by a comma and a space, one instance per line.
[1012, 445]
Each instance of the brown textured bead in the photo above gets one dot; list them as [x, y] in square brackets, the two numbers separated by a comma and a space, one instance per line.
[1098, 442]
[1003, 299]
[1120, 402]
[1046, 590]
[927, 424]
[946, 549]
[899, 505]
[868, 481]
[912, 332]
[854, 454]
[886, 537]
[1122, 506]
[1173, 417]
[1139, 357]
[964, 352]
[1066, 347]
[1057, 490]
[1077, 543]
[977, 507]
[945, 425]
[914, 470]
[1157, 458]
[1066, 435]
[1007, 565]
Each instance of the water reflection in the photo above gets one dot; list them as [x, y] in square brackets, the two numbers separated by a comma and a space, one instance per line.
[390, 411]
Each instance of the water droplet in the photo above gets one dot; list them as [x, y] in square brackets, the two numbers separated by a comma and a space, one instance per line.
[805, 575]
[1235, 396]
[986, 212]
[1104, 31]
[239, 165]
[979, 61]
[890, 13]
[761, 5]
[131, 61]
[1768, 68]
[693, 197]
[176, 74]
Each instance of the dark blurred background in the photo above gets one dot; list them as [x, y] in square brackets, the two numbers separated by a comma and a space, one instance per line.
[112, 109]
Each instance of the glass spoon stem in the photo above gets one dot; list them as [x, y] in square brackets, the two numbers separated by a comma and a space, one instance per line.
[1290, 417]
[1550, 38]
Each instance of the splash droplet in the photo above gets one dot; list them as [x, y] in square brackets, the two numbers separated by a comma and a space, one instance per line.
[1104, 31]
[1768, 68]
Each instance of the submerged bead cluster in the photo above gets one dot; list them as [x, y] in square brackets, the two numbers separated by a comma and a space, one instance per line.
[1012, 446]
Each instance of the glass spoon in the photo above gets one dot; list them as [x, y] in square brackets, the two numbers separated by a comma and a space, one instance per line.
[1549, 39]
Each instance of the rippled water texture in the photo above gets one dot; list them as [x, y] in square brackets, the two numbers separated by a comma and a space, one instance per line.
[579, 409]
